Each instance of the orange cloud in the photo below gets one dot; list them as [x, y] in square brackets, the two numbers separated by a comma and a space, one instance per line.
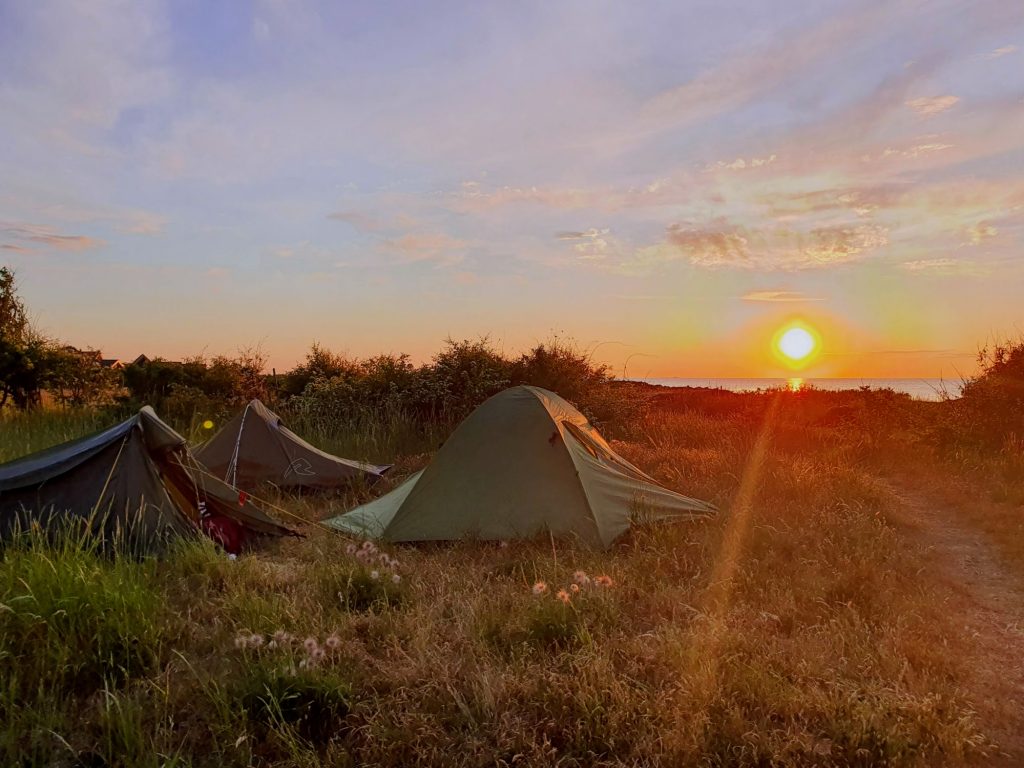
[49, 239]
[775, 248]
[778, 296]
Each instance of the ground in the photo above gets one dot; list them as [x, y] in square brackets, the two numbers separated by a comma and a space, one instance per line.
[856, 602]
[987, 597]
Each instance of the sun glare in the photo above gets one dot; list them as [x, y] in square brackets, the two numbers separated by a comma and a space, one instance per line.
[796, 345]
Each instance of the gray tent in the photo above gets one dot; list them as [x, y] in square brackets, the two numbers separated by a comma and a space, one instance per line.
[134, 486]
[256, 447]
[523, 462]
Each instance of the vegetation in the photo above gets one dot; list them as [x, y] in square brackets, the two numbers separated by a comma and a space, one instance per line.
[794, 629]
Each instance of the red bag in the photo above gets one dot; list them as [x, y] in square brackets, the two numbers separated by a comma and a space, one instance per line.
[225, 532]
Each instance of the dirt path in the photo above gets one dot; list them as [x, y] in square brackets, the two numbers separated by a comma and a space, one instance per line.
[990, 599]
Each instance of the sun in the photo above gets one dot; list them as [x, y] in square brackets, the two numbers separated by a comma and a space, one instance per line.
[796, 344]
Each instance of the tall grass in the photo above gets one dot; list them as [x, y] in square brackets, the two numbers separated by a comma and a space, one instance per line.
[25, 432]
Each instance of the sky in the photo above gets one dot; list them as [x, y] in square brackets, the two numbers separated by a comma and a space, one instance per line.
[666, 183]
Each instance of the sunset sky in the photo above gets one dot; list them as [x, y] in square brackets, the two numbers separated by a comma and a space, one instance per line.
[671, 181]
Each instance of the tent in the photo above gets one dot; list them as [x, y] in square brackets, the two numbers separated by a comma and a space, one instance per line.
[523, 462]
[134, 486]
[256, 447]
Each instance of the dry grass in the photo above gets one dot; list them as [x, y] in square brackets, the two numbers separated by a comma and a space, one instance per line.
[795, 629]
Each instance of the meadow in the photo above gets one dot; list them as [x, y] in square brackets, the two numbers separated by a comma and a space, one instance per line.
[813, 622]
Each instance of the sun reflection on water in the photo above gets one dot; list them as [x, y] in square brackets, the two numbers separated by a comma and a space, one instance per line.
[795, 384]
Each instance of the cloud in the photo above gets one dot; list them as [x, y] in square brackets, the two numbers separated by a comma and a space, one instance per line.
[48, 238]
[710, 247]
[142, 223]
[944, 267]
[778, 296]
[981, 232]
[366, 223]
[427, 246]
[740, 164]
[590, 245]
[15, 248]
[998, 53]
[217, 272]
[730, 246]
[929, 106]
[361, 222]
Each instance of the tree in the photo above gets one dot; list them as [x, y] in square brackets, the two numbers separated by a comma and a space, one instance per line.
[14, 325]
[23, 353]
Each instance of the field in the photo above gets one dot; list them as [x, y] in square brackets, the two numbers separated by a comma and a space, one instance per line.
[858, 601]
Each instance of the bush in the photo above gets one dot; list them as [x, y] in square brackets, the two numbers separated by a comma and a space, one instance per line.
[992, 403]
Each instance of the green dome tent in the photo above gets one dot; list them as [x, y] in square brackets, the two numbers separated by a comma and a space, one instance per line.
[256, 447]
[135, 486]
[523, 462]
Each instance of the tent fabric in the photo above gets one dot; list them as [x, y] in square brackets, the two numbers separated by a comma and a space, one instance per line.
[134, 486]
[256, 447]
[525, 461]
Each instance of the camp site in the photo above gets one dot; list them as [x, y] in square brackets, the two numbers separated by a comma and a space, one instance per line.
[547, 384]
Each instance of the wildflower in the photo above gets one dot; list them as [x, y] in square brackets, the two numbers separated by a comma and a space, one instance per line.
[255, 640]
[362, 555]
[375, 575]
[384, 558]
[396, 579]
[574, 588]
[350, 549]
[282, 638]
[563, 596]
[303, 664]
[369, 547]
[333, 642]
[394, 564]
[603, 581]
[242, 641]
[540, 588]
[503, 545]
[272, 644]
[318, 655]
[310, 645]
[581, 578]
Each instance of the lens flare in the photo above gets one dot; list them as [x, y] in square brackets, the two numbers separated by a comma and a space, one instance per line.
[207, 424]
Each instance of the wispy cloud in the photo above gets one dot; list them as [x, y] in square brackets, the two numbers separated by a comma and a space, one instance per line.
[741, 164]
[928, 106]
[998, 53]
[778, 296]
[48, 239]
[944, 267]
[437, 247]
[980, 232]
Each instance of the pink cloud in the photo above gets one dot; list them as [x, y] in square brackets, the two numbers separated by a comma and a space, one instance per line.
[929, 106]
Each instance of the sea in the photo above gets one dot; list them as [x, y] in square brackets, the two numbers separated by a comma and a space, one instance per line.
[921, 389]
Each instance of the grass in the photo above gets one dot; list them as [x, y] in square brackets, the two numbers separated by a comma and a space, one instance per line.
[794, 629]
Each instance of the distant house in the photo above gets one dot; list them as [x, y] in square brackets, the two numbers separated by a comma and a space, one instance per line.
[91, 355]
[140, 360]
[113, 363]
